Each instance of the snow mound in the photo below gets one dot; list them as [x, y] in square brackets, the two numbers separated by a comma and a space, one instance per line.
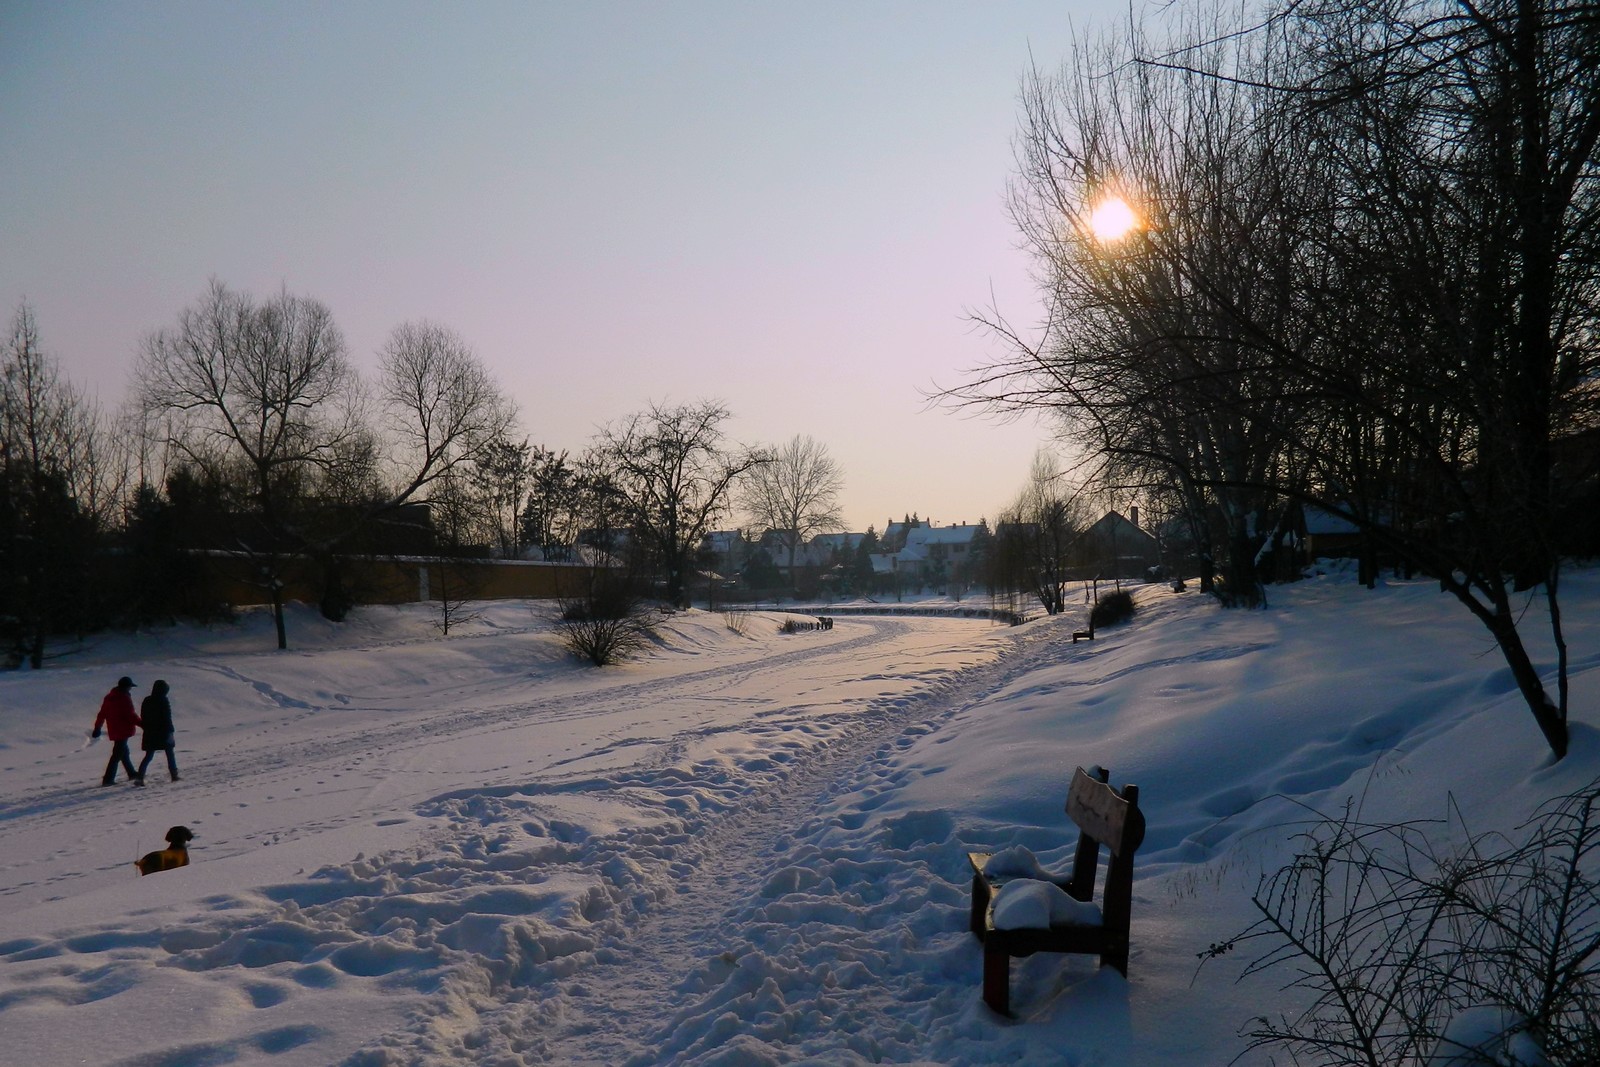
[1033, 904]
[1015, 862]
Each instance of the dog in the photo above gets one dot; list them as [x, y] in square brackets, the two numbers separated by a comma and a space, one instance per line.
[175, 855]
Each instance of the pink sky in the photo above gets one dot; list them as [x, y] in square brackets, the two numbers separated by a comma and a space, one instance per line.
[790, 207]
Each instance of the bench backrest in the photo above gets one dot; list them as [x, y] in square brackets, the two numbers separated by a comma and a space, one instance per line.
[1110, 818]
[1105, 817]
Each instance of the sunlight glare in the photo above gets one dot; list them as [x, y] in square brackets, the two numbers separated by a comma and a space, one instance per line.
[1112, 219]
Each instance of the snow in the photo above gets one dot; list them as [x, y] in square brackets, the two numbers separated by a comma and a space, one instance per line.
[1015, 862]
[1486, 1036]
[1034, 904]
[737, 850]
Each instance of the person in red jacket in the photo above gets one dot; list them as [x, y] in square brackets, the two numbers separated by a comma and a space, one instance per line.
[120, 721]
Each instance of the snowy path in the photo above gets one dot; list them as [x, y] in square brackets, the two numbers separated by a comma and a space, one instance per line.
[675, 913]
[732, 862]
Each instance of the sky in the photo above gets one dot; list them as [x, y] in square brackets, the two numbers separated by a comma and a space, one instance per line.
[793, 208]
[742, 848]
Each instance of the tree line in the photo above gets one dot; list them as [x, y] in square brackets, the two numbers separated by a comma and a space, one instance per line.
[250, 432]
[1362, 278]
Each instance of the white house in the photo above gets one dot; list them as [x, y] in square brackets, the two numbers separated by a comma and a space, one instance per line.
[930, 551]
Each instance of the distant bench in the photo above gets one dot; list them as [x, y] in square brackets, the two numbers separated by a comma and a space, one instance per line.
[1103, 817]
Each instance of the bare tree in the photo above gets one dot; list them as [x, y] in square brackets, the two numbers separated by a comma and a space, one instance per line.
[675, 473]
[263, 399]
[1468, 151]
[796, 494]
[1035, 536]
[1153, 356]
[444, 419]
[442, 407]
[1365, 280]
[460, 509]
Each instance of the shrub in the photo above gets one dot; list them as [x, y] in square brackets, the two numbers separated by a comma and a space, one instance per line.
[736, 621]
[609, 624]
[1110, 610]
[1405, 949]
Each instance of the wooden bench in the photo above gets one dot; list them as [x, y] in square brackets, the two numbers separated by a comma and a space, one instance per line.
[1103, 817]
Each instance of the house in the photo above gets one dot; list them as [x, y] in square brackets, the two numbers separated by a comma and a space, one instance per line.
[1329, 536]
[944, 544]
[1575, 478]
[724, 544]
[775, 543]
[726, 551]
[1115, 547]
[824, 549]
[893, 538]
[930, 553]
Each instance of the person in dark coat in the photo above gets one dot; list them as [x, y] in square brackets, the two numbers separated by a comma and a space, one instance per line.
[120, 722]
[156, 714]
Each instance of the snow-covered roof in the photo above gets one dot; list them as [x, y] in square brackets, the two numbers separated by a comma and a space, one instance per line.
[942, 535]
[1327, 523]
[837, 540]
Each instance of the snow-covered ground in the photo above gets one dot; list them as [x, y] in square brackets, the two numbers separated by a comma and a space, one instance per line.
[739, 850]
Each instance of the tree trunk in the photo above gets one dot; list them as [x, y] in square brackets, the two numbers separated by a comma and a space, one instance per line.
[1502, 623]
[277, 613]
[1241, 589]
[1367, 561]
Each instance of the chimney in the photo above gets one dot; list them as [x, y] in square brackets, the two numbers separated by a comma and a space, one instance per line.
[1133, 515]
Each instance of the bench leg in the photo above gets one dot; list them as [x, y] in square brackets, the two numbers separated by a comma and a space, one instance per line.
[997, 979]
[980, 905]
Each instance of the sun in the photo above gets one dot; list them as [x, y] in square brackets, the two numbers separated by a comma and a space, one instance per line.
[1112, 219]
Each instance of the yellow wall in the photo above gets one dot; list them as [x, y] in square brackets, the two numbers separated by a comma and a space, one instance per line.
[401, 581]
